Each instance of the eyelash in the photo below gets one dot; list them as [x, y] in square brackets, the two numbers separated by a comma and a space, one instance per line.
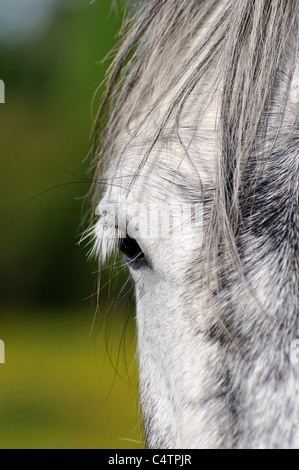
[134, 255]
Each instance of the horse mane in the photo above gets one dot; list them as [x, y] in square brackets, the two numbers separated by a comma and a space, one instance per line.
[215, 82]
[252, 46]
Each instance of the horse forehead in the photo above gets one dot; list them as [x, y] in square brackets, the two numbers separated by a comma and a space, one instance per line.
[165, 175]
[181, 163]
[294, 88]
[184, 159]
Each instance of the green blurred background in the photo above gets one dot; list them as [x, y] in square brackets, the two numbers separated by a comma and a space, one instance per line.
[70, 375]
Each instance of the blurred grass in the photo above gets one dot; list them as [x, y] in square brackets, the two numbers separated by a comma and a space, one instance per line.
[45, 126]
[59, 388]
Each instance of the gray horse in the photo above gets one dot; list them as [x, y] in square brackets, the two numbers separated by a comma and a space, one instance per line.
[200, 158]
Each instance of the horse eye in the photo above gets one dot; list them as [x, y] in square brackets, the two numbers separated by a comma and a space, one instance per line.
[132, 251]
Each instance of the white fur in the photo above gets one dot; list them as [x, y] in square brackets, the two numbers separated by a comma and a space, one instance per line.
[197, 391]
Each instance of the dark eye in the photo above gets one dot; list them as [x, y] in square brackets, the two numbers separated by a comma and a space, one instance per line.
[133, 253]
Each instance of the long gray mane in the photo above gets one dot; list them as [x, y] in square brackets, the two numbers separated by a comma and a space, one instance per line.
[252, 255]
[254, 47]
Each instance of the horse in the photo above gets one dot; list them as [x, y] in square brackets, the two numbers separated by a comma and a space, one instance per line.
[200, 112]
